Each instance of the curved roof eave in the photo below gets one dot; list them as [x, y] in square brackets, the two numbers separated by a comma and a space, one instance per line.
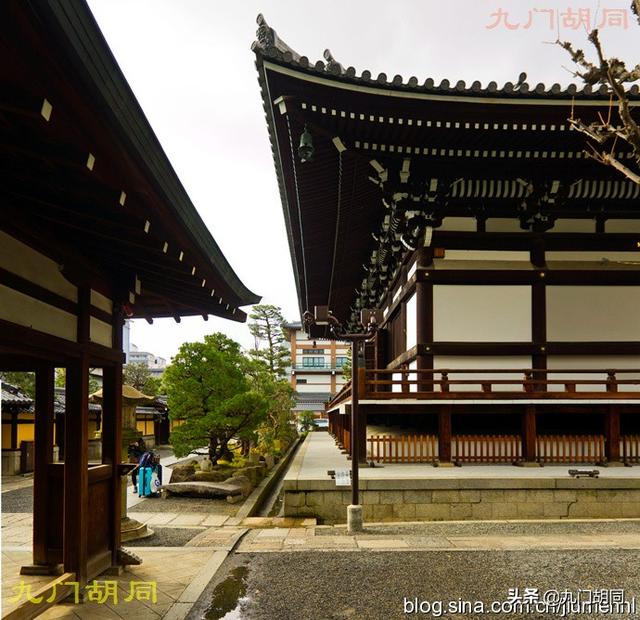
[78, 31]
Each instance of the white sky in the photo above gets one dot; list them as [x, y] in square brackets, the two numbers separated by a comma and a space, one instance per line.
[190, 65]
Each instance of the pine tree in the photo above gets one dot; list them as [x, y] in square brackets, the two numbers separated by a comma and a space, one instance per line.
[270, 339]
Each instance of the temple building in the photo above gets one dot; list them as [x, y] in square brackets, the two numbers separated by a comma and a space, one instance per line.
[96, 227]
[504, 263]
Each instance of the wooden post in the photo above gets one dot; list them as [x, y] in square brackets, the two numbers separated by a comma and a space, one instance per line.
[76, 469]
[612, 434]
[444, 435]
[362, 418]
[112, 449]
[424, 331]
[45, 382]
[529, 435]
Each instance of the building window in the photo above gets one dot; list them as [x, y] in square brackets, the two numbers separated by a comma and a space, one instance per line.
[341, 361]
[313, 362]
[313, 351]
[301, 381]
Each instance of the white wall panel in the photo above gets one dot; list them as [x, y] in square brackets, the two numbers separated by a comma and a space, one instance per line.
[412, 318]
[593, 313]
[622, 226]
[481, 313]
[483, 362]
[29, 312]
[595, 362]
[100, 332]
[25, 262]
[573, 225]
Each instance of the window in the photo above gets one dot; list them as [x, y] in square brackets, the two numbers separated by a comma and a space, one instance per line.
[313, 351]
[313, 362]
[341, 361]
[301, 380]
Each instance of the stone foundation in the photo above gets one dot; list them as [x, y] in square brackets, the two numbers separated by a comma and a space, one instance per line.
[473, 500]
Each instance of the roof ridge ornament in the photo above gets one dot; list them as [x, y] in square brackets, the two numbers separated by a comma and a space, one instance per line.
[271, 44]
[332, 64]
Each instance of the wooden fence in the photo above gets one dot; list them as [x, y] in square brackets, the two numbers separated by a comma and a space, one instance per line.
[630, 448]
[402, 449]
[486, 449]
[570, 449]
[496, 448]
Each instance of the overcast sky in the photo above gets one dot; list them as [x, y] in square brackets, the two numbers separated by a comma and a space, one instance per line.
[190, 65]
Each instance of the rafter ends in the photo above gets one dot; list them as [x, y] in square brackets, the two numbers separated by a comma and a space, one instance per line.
[282, 105]
[203, 282]
[339, 144]
[91, 160]
[132, 297]
[181, 256]
[123, 198]
[205, 317]
[147, 226]
[138, 286]
[165, 247]
[193, 271]
[177, 318]
[46, 110]
[149, 320]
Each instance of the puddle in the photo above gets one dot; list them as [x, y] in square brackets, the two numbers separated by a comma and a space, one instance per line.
[229, 596]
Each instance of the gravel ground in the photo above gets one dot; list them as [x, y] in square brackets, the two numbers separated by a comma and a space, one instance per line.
[20, 500]
[166, 537]
[372, 585]
[186, 504]
[480, 528]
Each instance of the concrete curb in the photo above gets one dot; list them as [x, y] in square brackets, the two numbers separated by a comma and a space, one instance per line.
[256, 497]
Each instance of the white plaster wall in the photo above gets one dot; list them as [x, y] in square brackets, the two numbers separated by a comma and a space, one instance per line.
[20, 259]
[100, 332]
[24, 310]
[622, 226]
[481, 313]
[596, 362]
[573, 225]
[593, 313]
[412, 318]
[467, 224]
[100, 301]
[595, 257]
[413, 387]
[473, 362]
[503, 224]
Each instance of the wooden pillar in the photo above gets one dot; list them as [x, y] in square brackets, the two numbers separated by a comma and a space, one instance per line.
[612, 434]
[76, 461]
[424, 332]
[45, 383]
[76, 469]
[362, 418]
[529, 434]
[112, 449]
[444, 434]
[539, 314]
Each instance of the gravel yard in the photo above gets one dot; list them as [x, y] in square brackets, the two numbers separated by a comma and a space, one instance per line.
[186, 504]
[373, 585]
[20, 500]
[166, 537]
[493, 528]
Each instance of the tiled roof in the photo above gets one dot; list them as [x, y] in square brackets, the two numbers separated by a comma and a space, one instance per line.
[271, 47]
[12, 397]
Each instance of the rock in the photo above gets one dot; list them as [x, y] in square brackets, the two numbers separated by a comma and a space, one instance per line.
[241, 482]
[210, 476]
[269, 460]
[203, 489]
[183, 473]
[255, 473]
[205, 464]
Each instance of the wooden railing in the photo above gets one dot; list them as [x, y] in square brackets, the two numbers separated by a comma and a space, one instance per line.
[630, 448]
[402, 449]
[570, 449]
[486, 449]
[383, 384]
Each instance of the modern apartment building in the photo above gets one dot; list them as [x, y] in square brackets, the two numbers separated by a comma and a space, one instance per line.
[316, 369]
